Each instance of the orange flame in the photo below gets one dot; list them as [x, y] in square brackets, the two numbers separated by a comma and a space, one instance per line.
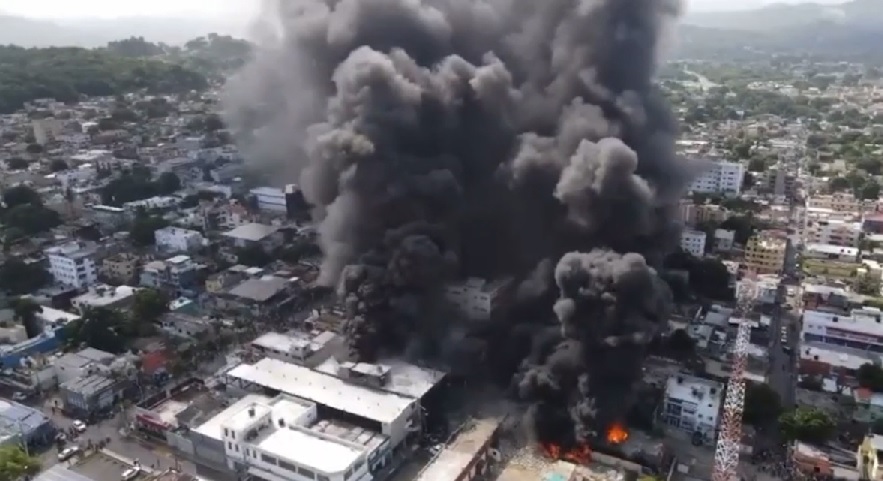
[579, 454]
[617, 434]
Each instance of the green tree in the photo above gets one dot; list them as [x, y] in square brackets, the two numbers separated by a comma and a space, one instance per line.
[18, 277]
[756, 165]
[168, 183]
[144, 227]
[807, 424]
[26, 312]
[34, 149]
[870, 191]
[17, 163]
[15, 463]
[31, 219]
[762, 404]
[58, 165]
[838, 184]
[99, 328]
[149, 305]
[870, 376]
[21, 195]
[253, 256]
[868, 285]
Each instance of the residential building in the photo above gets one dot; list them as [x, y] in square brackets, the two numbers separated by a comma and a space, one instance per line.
[693, 241]
[724, 239]
[262, 296]
[831, 252]
[478, 298]
[46, 130]
[840, 202]
[270, 199]
[306, 349]
[722, 178]
[178, 275]
[120, 268]
[765, 253]
[105, 296]
[834, 232]
[225, 216]
[361, 395]
[87, 361]
[266, 237]
[873, 223]
[711, 213]
[73, 264]
[108, 217]
[186, 326]
[693, 404]
[91, 394]
[175, 239]
[858, 329]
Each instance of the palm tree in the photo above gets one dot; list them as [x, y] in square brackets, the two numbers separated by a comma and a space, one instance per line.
[26, 311]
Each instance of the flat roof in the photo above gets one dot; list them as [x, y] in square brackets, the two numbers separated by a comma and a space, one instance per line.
[213, 428]
[324, 389]
[259, 290]
[251, 232]
[310, 451]
[243, 418]
[405, 379]
[455, 458]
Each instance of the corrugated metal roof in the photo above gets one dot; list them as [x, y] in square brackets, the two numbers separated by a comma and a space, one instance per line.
[15, 417]
[61, 473]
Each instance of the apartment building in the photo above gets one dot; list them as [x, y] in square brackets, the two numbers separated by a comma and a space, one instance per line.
[175, 239]
[73, 264]
[765, 253]
[120, 268]
[477, 298]
[834, 232]
[840, 202]
[693, 241]
[722, 178]
[177, 275]
[693, 404]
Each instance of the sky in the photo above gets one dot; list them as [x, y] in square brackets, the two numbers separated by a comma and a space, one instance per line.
[78, 9]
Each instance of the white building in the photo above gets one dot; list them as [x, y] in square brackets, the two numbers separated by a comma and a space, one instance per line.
[693, 404]
[387, 409]
[477, 298]
[834, 232]
[254, 234]
[724, 239]
[831, 252]
[721, 178]
[270, 199]
[693, 241]
[283, 438]
[307, 349]
[861, 329]
[175, 239]
[46, 130]
[73, 264]
[104, 296]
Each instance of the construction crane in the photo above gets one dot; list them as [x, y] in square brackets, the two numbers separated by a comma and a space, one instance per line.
[729, 440]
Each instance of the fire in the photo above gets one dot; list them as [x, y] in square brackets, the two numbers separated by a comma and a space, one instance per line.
[617, 434]
[579, 454]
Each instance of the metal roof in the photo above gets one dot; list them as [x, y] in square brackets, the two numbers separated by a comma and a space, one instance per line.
[15, 417]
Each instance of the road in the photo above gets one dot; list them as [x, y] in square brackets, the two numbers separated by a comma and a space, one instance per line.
[148, 454]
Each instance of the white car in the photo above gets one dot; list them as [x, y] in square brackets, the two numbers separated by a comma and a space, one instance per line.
[68, 453]
[131, 473]
[80, 426]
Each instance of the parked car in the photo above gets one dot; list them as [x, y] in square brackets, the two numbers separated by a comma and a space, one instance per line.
[68, 453]
[79, 426]
[131, 473]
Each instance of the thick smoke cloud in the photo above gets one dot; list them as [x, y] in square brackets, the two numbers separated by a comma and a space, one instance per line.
[439, 139]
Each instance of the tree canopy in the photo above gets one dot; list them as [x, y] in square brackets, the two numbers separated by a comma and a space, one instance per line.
[18, 277]
[15, 463]
[807, 424]
[762, 404]
[870, 376]
[65, 74]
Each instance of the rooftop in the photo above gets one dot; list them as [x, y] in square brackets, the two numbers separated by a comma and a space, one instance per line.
[294, 341]
[324, 389]
[310, 450]
[88, 385]
[455, 458]
[259, 290]
[213, 427]
[403, 378]
[830, 249]
[684, 386]
[104, 295]
[15, 418]
[74, 250]
[253, 232]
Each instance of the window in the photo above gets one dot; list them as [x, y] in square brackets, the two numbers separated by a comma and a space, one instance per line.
[306, 472]
[233, 434]
[229, 445]
[322, 478]
[288, 466]
[269, 459]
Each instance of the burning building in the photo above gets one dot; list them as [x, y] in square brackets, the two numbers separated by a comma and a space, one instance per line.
[446, 139]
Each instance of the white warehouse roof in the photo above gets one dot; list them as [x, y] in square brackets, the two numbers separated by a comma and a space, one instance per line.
[312, 451]
[325, 389]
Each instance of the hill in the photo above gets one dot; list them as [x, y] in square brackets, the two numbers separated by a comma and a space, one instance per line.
[778, 16]
[88, 33]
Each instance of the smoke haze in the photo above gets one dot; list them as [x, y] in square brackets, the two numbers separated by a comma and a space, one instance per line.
[451, 138]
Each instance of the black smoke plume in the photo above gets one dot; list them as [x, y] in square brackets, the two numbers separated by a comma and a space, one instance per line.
[440, 139]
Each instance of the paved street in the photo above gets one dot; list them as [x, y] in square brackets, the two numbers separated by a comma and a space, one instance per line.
[147, 454]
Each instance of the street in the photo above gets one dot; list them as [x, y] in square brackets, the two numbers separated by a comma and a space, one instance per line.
[146, 453]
